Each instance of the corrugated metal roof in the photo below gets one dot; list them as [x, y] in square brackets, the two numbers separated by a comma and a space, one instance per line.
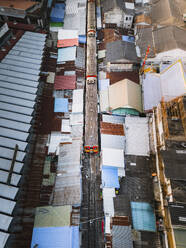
[58, 12]
[122, 237]
[28, 83]
[6, 206]
[67, 43]
[7, 191]
[19, 69]
[65, 126]
[20, 48]
[113, 119]
[77, 101]
[64, 82]
[9, 153]
[143, 217]
[26, 54]
[23, 64]
[66, 54]
[64, 34]
[11, 143]
[104, 100]
[61, 105]
[35, 36]
[10, 90]
[15, 125]
[104, 84]
[23, 59]
[16, 108]
[15, 116]
[137, 136]
[5, 222]
[28, 40]
[112, 141]
[113, 157]
[56, 237]
[17, 101]
[3, 239]
[24, 43]
[5, 164]
[117, 76]
[19, 74]
[108, 203]
[71, 7]
[80, 58]
[110, 177]
[15, 178]
[111, 128]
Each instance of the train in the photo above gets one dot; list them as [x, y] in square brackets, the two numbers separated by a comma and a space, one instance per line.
[91, 110]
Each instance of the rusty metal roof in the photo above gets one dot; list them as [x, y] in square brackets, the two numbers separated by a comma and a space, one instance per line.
[67, 43]
[110, 128]
[21, 4]
[65, 82]
[117, 76]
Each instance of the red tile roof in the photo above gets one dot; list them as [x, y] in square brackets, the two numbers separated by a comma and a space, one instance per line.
[67, 43]
[65, 82]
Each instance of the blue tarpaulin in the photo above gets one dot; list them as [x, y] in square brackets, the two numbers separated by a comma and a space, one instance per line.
[56, 237]
[128, 38]
[58, 13]
[110, 177]
[66, 54]
[143, 217]
[82, 39]
[61, 105]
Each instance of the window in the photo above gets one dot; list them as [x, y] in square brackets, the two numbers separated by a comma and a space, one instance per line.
[126, 18]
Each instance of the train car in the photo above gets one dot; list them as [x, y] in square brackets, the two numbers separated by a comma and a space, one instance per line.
[91, 113]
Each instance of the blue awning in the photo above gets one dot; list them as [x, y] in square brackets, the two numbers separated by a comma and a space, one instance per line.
[82, 39]
[143, 217]
[110, 177]
[61, 105]
[58, 237]
[58, 13]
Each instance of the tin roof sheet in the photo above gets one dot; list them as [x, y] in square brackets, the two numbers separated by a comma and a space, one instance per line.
[77, 101]
[8, 154]
[110, 177]
[143, 217]
[5, 222]
[5, 164]
[15, 116]
[7, 206]
[103, 84]
[19, 69]
[137, 136]
[26, 54]
[8, 191]
[65, 126]
[17, 101]
[113, 119]
[113, 157]
[23, 59]
[23, 64]
[20, 5]
[76, 119]
[67, 43]
[64, 34]
[108, 203]
[31, 50]
[15, 125]
[112, 128]
[58, 12]
[17, 90]
[3, 239]
[122, 236]
[80, 58]
[28, 83]
[16, 108]
[15, 178]
[66, 54]
[19, 74]
[61, 105]
[112, 141]
[11, 143]
[56, 236]
[104, 100]
[13, 134]
[64, 82]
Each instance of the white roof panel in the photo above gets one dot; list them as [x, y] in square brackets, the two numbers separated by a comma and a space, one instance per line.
[8, 191]
[5, 222]
[19, 74]
[17, 101]
[112, 141]
[15, 125]
[23, 59]
[11, 143]
[113, 119]
[20, 81]
[28, 50]
[19, 69]
[5, 164]
[104, 100]
[25, 54]
[30, 45]
[13, 134]
[21, 64]
[77, 101]
[65, 126]
[9, 153]
[67, 34]
[15, 116]
[137, 136]
[7, 206]
[3, 239]
[15, 178]
[13, 92]
[113, 157]
[16, 108]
